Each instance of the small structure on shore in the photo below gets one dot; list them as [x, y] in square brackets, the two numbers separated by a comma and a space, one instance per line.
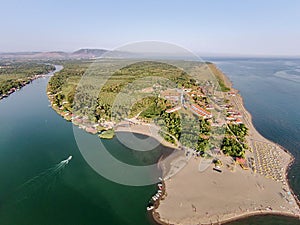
[242, 162]
[216, 151]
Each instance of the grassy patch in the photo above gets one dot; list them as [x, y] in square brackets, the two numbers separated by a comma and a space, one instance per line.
[109, 134]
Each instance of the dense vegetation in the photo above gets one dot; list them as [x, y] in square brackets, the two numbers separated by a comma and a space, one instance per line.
[172, 126]
[63, 84]
[204, 135]
[234, 142]
[65, 88]
[17, 74]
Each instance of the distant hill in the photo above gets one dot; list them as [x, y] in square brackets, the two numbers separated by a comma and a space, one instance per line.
[88, 53]
[79, 54]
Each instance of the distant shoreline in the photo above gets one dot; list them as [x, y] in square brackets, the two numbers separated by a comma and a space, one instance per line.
[27, 81]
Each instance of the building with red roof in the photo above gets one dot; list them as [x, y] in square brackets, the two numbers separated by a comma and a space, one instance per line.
[200, 111]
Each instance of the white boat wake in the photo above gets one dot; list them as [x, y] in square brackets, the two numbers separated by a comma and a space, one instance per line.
[44, 181]
[67, 160]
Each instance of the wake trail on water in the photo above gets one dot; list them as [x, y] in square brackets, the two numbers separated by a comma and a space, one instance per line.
[38, 185]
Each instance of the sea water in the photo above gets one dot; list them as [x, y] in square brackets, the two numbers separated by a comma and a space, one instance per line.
[271, 90]
[34, 138]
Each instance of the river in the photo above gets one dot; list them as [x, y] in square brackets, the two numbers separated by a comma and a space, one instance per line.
[35, 190]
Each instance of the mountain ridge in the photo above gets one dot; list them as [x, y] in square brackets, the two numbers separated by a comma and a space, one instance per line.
[83, 53]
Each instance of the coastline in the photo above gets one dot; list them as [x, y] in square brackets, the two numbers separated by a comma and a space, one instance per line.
[156, 215]
[150, 130]
[250, 122]
[157, 219]
[24, 83]
[261, 136]
[253, 136]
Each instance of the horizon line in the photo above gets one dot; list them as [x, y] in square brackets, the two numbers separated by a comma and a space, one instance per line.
[204, 54]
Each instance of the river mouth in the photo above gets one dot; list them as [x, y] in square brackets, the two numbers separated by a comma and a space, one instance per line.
[34, 139]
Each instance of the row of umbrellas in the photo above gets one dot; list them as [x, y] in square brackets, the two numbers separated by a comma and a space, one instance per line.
[267, 163]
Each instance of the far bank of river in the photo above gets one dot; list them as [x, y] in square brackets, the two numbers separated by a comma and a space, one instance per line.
[16, 85]
[34, 138]
[33, 141]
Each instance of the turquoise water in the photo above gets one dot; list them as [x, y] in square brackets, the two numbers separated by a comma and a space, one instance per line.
[35, 190]
[270, 89]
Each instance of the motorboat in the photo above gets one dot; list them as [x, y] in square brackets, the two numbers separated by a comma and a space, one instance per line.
[67, 160]
[150, 207]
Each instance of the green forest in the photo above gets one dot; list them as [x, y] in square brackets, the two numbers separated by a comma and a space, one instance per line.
[17, 74]
[63, 86]
[97, 103]
[234, 143]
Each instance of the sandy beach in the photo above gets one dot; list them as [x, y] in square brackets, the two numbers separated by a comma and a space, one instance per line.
[210, 197]
[144, 129]
[196, 196]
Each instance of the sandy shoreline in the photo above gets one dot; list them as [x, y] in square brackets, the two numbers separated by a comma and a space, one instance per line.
[251, 208]
[208, 202]
[150, 130]
[194, 197]
[239, 217]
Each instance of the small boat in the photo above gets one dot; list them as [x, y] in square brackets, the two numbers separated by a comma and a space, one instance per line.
[67, 160]
[150, 207]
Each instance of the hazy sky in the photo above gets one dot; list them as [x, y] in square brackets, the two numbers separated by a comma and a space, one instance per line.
[259, 27]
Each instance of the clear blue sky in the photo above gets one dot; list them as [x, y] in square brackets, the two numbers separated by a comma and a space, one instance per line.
[259, 27]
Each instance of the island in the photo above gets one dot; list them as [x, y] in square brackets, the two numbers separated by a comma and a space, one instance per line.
[225, 169]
